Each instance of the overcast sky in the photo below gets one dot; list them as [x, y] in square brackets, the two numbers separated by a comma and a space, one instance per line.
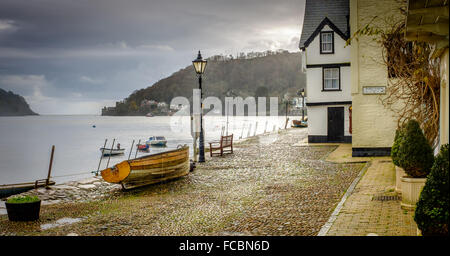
[75, 56]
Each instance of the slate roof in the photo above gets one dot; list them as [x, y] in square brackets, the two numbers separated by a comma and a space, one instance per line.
[315, 13]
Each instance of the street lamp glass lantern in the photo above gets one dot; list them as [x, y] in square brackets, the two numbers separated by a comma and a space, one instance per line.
[199, 64]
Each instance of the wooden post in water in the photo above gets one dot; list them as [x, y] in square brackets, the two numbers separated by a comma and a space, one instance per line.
[256, 128]
[101, 157]
[139, 142]
[110, 152]
[195, 148]
[50, 167]
[249, 130]
[287, 121]
[131, 150]
[242, 131]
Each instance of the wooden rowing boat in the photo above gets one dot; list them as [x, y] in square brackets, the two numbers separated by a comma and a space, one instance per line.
[149, 169]
[299, 123]
[113, 152]
[13, 189]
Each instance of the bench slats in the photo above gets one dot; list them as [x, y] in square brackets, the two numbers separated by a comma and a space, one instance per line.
[225, 142]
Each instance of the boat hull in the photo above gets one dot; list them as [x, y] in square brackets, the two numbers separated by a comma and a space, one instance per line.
[108, 151]
[13, 189]
[298, 123]
[149, 169]
[157, 143]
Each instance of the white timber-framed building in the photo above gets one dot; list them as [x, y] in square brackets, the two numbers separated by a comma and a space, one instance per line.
[326, 61]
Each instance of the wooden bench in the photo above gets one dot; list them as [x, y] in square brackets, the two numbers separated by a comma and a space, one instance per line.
[225, 142]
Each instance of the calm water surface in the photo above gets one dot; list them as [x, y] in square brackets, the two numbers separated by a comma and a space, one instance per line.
[25, 142]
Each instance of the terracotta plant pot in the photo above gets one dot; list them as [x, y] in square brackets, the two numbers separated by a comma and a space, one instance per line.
[399, 173]
[411, 189]
[23, 211]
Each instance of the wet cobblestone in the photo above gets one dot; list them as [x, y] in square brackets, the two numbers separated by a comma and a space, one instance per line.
[267, 187]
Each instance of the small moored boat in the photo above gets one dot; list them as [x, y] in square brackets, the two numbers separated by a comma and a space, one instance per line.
[156, 141]
[113, 152]
[13, 189]
[149, 169]
[143, 147]
[299, 123]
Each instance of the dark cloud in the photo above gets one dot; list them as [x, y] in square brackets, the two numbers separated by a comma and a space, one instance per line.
[105, 49]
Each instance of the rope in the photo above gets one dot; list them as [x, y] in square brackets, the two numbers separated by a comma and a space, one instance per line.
[74, 174]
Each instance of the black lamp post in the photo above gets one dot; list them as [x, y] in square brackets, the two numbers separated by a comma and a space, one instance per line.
[302, 93]
[228, 94]
[199, 66]
[303, 104]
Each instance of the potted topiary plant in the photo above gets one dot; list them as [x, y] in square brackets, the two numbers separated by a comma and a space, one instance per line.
[399, 172]
[416, 157]
[432, 213]
[23, 208]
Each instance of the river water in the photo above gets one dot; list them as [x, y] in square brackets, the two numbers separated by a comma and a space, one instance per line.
[25, 142]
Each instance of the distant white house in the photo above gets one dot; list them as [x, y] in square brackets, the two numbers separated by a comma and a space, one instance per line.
[326, 62]
[176, 106]
[146, 102]
[162, 105]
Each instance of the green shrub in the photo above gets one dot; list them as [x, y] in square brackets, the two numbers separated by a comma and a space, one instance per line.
[414, 154]
[431, 213]
[395, 147]
[22, 199]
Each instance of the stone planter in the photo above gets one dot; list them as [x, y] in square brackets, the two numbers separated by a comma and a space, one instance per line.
[411, 188]
[399, 173]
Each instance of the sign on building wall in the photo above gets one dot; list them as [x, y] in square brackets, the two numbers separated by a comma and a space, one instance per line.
[374, 89]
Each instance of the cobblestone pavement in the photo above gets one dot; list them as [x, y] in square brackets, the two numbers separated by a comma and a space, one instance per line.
[362, 214]
[267, 187]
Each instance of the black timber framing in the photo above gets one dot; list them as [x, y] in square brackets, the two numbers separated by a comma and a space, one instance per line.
[330, 65]
[319, 28]
[309, 104]
[324, 139]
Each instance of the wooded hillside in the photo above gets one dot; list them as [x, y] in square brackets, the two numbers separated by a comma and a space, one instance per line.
[274, 75]
[13, 105]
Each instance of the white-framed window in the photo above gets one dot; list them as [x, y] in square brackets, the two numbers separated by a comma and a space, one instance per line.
[326, 42]
[331, 79]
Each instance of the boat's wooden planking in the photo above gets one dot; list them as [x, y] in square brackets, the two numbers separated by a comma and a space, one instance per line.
[149, 169]
[116, 174]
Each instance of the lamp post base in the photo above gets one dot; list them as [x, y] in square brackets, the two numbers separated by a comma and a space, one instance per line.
[201, 157]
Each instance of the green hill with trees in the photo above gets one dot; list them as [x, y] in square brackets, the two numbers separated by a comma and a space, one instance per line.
[13, 105]
[269, 74]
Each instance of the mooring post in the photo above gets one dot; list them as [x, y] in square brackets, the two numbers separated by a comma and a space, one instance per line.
[131, 150]
[139, 143]
[110, 152]
[50, 167]
[242, 131]
[101, 157]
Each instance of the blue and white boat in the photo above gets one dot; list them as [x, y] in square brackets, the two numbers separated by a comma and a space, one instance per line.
[156, 141]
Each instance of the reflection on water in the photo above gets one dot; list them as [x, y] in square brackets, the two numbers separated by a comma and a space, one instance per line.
[25, 142]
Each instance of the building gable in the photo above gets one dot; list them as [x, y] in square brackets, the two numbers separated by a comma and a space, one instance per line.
[336, 11]
[316, 32]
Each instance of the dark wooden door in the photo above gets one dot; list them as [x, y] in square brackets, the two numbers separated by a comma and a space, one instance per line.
[336, 124]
